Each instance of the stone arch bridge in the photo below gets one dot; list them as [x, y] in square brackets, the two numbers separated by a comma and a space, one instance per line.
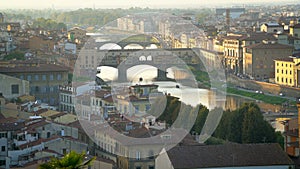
[92, 58]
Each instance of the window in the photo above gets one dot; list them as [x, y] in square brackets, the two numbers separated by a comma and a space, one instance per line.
[2, 148]
[51, 77]
[15, 89]
[138, 155]
[22, 77]
[37, 89]
[138, 167]
[43, 89]
[2, 162]
[59, 77]
[36, 77]
[151, 167]
[151, 154]
[29, 77]
[277, 70]
[148, 107]
[43, 77]
[290, 81]
[3, 135]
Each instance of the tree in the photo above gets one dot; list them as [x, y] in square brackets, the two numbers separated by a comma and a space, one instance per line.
[17, 55]
[200, 120]
[71, 160]
[246, 125]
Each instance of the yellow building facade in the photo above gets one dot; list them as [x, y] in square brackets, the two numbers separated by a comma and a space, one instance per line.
[286, 71]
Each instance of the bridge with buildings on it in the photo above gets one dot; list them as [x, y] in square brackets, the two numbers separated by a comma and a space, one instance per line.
[123, 41]
[92, 57]
[159, 58]
[124, 44]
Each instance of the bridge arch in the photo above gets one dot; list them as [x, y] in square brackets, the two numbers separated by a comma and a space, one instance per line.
[152, 46]
[107, 73]
[146, 71]
[133, 46]
[110, 46]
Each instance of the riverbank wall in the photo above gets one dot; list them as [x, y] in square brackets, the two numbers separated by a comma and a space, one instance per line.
[263, 86]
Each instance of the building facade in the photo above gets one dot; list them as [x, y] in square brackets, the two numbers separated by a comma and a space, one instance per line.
[13, 87]
[44, 79]
[286, 71]
[258, 59]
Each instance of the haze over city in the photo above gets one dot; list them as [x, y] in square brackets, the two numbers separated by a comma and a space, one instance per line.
[69, 4]
[140, 84]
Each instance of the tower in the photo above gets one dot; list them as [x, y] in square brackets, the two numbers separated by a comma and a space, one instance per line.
[227, 17]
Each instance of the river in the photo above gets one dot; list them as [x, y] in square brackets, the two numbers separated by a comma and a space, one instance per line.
[188, 95]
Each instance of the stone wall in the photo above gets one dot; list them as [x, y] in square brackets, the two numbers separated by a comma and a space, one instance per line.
[263, 86]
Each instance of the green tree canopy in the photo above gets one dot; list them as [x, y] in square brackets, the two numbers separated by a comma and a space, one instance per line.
[71, 160]
[246, 125]
[17, 55]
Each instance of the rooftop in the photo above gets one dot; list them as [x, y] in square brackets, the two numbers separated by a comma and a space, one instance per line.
[38, 68]
[285, 59]
[228, 155]
[263, 45]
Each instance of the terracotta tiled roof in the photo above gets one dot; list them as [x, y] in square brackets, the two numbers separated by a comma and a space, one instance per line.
[285, 59]
[37, 142]
[257, 36]
[296, 26]
[11, 126]
[101, 93]
[228, 155]
[40, 68]
[269, 46]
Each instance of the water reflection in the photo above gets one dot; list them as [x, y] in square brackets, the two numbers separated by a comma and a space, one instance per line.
[188, 95]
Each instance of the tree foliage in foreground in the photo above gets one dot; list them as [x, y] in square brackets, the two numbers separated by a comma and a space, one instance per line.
[71, 160]
[16, 55]
[246, 125]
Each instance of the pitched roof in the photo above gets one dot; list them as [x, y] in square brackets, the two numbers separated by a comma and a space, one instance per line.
[257, 36]
[269, 46]
[11, 126]
[40, 68]
[228, 155]
[272, 24]
[295, 26]
[285, 59]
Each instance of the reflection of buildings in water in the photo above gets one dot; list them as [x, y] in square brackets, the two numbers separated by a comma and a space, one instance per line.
[235, 102]
[215, 99]
[232, 103]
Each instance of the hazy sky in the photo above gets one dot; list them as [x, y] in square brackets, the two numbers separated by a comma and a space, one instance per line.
[74, 4]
